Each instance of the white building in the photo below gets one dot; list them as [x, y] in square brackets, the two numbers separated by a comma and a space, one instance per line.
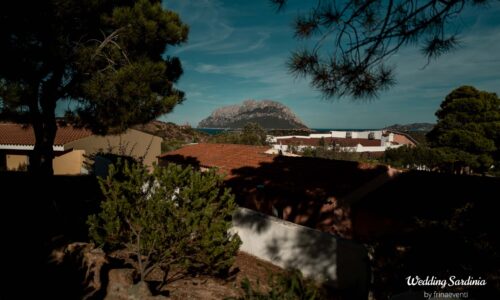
[352, 141]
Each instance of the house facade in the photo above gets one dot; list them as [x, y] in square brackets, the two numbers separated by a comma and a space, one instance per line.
[73, 146]
[132, 142]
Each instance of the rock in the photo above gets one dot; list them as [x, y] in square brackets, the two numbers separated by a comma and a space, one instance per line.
[85, 257]
[120, 281]
[121, 287]
[268, 114]
[140, 291]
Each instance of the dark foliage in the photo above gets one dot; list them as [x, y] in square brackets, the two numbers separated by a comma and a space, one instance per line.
[419, 157]
[339, 154]
[468, 130]
[288, 286]
[104, 57]
[432, 224]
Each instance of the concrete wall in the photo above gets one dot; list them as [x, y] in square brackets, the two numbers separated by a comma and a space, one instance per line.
[316, 254]
[133, 142]
[70, 163]
[14, 161]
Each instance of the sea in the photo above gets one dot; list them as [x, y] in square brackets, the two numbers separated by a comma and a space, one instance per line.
[213, 131]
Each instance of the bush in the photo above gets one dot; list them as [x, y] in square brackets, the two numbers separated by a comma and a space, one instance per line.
[336, 153]
[174, 217]
[443, 159]
[288, 286]
[251, 134]
[98, 163]
[172, 144]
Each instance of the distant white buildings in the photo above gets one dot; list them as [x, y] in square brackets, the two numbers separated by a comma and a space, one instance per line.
[351, 141]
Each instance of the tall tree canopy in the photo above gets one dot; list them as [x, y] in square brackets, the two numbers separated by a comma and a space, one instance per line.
[350, 41]
[468, 129]
[107, 57]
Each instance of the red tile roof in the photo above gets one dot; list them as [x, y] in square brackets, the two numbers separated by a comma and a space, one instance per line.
[225, 157]
[346, 142]
[300, 189]
[16, 134]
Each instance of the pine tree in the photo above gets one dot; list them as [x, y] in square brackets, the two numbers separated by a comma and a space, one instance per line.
[468, 129]
[106, 57]
[173, 217]
[348, 43]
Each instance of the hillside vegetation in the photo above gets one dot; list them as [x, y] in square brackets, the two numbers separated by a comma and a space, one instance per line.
[171, 131]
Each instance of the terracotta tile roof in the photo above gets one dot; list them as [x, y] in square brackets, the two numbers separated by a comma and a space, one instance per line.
[304, 190]
[346, 142]
[225, 157]
[16, 134]
[408, 136]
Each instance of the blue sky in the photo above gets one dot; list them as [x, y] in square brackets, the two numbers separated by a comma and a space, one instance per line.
[237, 51]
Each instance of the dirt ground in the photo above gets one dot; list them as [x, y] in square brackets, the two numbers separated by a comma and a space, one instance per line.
[245, 266]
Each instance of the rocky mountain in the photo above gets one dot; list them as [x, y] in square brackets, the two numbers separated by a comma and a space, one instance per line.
[268, 114]
[423, 127]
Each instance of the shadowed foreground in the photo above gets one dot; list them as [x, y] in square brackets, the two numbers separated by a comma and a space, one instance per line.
[38, 216]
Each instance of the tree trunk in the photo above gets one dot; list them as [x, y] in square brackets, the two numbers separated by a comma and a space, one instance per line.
[42, 155]
[43, 119]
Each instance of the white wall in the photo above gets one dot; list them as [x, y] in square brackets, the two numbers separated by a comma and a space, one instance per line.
[284, 148]
[361, 148]
[292, 136]
[358, 148]
[338, 134]
[320, 135]
[388, 139]
[271, 139]
[357, 134]
[316, 254]
[332, 134]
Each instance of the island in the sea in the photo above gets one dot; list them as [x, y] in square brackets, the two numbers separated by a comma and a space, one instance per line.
[268, 114]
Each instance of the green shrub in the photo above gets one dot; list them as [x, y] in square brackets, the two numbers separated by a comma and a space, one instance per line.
[251, 134]
[335, 153]
[174, 217]
[168, 145]
[288, 286]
